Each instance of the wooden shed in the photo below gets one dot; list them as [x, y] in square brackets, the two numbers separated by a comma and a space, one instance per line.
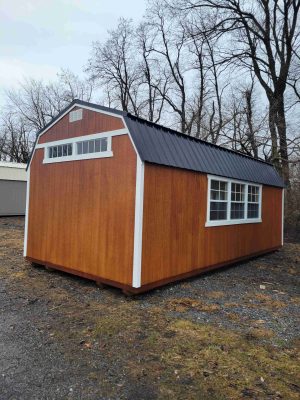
[129, 203]
[12, 188]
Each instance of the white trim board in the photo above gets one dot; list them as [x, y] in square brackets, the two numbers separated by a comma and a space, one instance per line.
[108, 134]
[138, 225]
[26, 213]
[282, 218]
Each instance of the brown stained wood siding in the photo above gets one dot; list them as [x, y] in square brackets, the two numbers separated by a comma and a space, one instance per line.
[175, 239]
[91, 122]
[81, 213]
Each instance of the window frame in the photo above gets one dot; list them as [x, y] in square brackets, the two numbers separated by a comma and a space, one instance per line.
[228, 220]
[75, 156]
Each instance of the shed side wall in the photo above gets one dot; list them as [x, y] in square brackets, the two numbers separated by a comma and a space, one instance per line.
[175, 239]
[12, 197]
[81, 213]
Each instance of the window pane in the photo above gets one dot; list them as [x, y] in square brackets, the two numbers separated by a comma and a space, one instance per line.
[237, 210]
[215, 185]
[54, 151]
[79, 148]
[85, 146]
[70, 148]
[104, 144]
[223, 185]
[50, 151]
[59, 151]
[253, 210]
[253, 194]
[91, 146]
[65, 150]
[97, 145]
[218, 210]
[237, 192]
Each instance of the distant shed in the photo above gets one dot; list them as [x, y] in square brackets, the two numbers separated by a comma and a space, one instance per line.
[133, 204]
[13, 179]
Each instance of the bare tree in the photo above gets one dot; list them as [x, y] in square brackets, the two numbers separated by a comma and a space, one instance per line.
[265, 34]
[15, 143]
[154, 82]
[37, 103]
[114, 65]
[29, 108]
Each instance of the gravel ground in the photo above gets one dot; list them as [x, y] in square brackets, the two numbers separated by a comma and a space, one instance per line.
[61, 337]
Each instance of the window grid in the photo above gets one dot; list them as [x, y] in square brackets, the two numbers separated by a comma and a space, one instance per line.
[92, 146]
[253, 201]
[237, 203]
[62, 150]
[241, 200]
[218, 202]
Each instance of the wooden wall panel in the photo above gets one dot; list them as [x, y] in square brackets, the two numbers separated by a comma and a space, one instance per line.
[175, 239]
[81, 213]
[91, 122]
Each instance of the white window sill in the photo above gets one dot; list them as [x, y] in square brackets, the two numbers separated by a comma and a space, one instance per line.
[233, 222]
[78, 157]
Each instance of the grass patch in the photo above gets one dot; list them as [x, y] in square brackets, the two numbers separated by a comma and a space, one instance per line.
[185, 304]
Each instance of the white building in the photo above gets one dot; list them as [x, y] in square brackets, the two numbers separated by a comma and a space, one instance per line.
[13, 178]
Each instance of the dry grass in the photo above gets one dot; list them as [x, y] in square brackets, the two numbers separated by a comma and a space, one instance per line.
[185, 304]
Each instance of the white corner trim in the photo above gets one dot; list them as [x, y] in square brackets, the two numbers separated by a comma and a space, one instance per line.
[138, 224]
[26, 213]
[282, 218]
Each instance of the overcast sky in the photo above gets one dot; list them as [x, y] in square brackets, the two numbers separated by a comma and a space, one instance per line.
[38, 37]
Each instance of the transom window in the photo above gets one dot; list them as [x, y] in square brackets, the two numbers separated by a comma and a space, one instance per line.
[62, 150]
[232, 202]
[92, 146]
[80, 148]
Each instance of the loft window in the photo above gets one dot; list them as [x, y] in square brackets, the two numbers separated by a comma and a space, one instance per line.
[78, 148]
[62, 150]
[92, 146]
[232, 202]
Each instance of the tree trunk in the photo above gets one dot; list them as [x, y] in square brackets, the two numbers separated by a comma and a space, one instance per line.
[283, 147]
[272, 126]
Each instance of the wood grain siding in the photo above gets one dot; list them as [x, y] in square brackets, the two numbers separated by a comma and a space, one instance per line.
[91, 122]
[81, 213]
[175, 239]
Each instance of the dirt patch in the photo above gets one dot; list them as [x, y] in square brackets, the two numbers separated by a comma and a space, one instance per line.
[218, 336]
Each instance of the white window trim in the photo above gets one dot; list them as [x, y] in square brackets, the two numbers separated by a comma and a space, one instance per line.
[74, 140]
[229, 221]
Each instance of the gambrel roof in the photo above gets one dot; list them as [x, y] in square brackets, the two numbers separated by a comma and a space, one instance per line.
[160, 145]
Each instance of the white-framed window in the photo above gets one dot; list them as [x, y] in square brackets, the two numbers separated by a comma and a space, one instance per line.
[92, 146]
[232, 202]
[80, 148]
[62, 150]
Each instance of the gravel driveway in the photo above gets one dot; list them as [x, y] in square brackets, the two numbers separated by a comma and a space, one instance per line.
[230, 334]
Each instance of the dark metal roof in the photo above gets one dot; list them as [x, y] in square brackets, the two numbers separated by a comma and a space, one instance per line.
[159, 145]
